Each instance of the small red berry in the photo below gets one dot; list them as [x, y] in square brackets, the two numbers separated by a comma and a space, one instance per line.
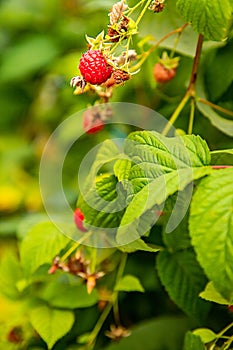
[94, 67]
[92, 122]
[163, 74]
[78, 219]
[230, 308]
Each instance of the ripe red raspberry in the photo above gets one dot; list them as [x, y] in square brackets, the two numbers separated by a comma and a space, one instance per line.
[94, 67]
[92, 122]
[163, 74]
[78, 219]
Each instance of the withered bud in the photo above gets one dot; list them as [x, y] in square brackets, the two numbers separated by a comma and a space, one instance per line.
[117, 11]
[120, 76]
[157, 6]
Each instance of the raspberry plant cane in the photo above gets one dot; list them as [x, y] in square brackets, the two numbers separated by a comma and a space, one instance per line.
[117, 61]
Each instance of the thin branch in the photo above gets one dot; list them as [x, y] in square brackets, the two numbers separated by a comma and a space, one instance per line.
[191, 116]
[210, 104]
[191, 87]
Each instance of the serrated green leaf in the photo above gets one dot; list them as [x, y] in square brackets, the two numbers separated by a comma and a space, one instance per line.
[155, 155]
[103, 204]
[212, 18]
[211, 225]
[129, 283]
[140, 216]
[10, 273]
[183, 279]
[211, 294]
[51, 324]
[122, 169]
[222, 157]
[69, 296]
[193, 342]
[205, 334]
[43, 242]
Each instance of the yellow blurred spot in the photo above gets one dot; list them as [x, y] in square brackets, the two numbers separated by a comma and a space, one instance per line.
[10, 198]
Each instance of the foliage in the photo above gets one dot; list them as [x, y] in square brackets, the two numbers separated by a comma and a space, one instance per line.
[152, 267]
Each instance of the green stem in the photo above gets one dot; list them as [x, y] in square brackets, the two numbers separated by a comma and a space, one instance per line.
[115, 296]
[176, 113]
[225, 330]
[109, 306]
[99, 324]
[146, 54]
[143, 12]
[75, 246]
[191, 117]
[191, 88]
[210, 104]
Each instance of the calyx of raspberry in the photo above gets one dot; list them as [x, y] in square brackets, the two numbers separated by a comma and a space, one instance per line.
[94, 67]
[167, 62]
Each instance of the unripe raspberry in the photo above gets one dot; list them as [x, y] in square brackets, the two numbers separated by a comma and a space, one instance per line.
[163, 74]
[94, 67]
[78, 219]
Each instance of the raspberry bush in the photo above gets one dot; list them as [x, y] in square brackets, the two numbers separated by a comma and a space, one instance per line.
[144, 257]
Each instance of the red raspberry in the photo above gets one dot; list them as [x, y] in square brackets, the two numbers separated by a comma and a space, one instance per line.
[78, 219]
[92, 122]
[94, 67]
[163, 74]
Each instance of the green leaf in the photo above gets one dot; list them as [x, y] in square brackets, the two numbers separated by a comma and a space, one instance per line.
[211, 225]
[155, 155]
[63, 295]
[223, 124]
[43, 242]
[205, 334]
[212, 18]
[211, 294]
[51, 324]
[222, 157]
[10, 273]
[193, 342]
[122, 169]
[183, 279]
[178, 238]
[102, 204]
[139, 215]
[129, 283]
[154, 335]
[217, 63]
[26, 57]
[138, 244]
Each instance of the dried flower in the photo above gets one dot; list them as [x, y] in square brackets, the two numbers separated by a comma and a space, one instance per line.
[120, 76]
[91, 279]
[117, 11]
[117, 332]
[129, 55]
[157, 6]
